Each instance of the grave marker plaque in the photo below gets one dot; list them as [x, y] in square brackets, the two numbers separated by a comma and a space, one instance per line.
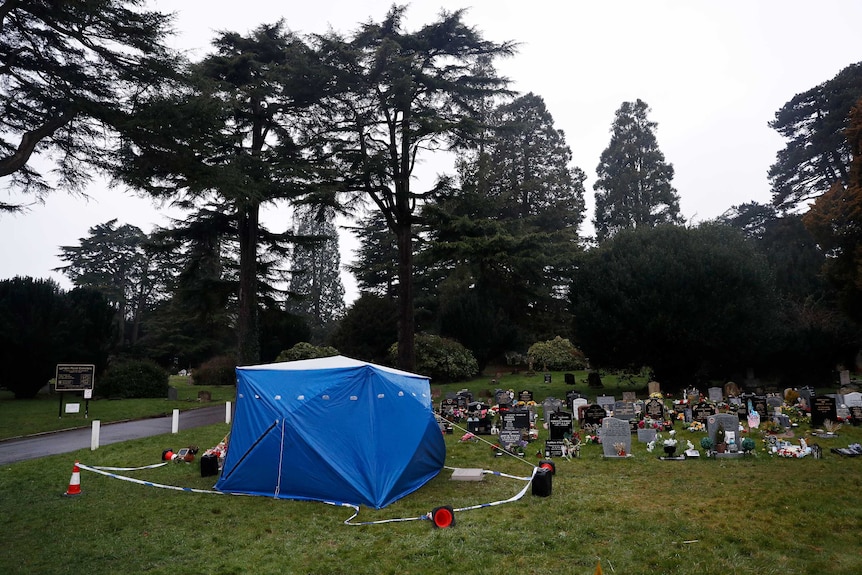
[624, 410]
[654, 409]
[502, 397]
[594, 414]
[560, 424]
[569, 378]
[856, 414]
[547, 378]
[525, 395]
[515, 420]
[447, 407]
[615, 431]
[554, 447]
[576, 406]
[606, 401]
[630, 396]
[729, 421]
[715, 394]
[761, 406]
[702, 411]
[509, 437]
[823, 408]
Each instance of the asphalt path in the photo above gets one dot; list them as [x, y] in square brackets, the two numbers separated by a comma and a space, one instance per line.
[35, 446]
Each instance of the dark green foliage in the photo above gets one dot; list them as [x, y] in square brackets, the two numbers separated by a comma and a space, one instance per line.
[280, 330]
[400, 94]
[441, 359]
[304, 350]
[367, 329]
[633, 188]
[557, 354]
[507, 239]
[690, 303]
[41, 326]
[816, 154]
[133, 379]
[219, 370]
[70, 70]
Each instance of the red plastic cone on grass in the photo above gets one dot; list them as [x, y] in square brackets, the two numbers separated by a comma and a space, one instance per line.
[75, 482]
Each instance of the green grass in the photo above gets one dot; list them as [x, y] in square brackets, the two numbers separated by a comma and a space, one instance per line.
[24, 417]
[761, 514]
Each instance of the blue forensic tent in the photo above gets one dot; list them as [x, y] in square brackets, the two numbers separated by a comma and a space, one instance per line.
[332, 429]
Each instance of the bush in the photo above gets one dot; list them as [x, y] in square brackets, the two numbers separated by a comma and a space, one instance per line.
[304, 350]
[557, 354]
[220, 370]
[443, 360]
[133, 379]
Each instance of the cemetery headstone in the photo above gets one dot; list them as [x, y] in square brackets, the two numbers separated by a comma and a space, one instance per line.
[547, 378]
[630, 396]
[554, 447]
[525, 395]
[594, 414]
[715, 394]
[569, 378]
[447, 407]
[571, 396]
[576, 404]
[653, 387]
[772, 402]
[646, 435]
[856, 414]
[807, 395]
[731, 389]
[606, 401]
[844, 377]
[560, 425]
[823, 408]
[515, 420]
[616, 432]
[510, 436]
[549, 406]
[654, 409]
[594, 380]
[624, 410]
[853, 399]
[729, 421]
[702, 411]
[761, 407]
[502, 397]
[173, 393]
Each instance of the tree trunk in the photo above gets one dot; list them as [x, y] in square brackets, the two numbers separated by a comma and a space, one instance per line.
[406, 320]
[248, 339]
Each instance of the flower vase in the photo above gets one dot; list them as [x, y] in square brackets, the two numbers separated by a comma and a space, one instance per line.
[669, 450]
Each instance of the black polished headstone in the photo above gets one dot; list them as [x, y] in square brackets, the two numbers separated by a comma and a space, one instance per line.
[560, 424]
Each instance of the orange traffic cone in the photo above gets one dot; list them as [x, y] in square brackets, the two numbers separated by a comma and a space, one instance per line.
[75, 482]
[598, 570]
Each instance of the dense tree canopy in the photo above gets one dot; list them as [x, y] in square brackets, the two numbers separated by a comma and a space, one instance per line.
[633, 185]
[505, 240]
[41, 326]
[249, 111]
[835, 220]
[690, 303]
[816, 154]
[403, 94]
[117, 262]
[68, 70]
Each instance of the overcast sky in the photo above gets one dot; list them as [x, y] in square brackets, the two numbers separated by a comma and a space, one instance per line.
[713, 73]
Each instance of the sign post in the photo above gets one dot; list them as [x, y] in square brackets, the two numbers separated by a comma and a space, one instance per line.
[75, 377]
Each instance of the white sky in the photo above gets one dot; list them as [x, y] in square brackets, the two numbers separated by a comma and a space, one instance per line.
[714, 74]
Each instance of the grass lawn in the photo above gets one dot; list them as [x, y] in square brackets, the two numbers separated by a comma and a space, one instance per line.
[761, 514]
[28, 416]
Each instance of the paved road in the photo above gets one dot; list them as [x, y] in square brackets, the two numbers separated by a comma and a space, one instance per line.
[34, 446]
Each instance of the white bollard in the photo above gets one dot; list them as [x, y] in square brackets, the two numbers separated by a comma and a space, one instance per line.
[227, 412]
[175, 424]
[94, 435]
